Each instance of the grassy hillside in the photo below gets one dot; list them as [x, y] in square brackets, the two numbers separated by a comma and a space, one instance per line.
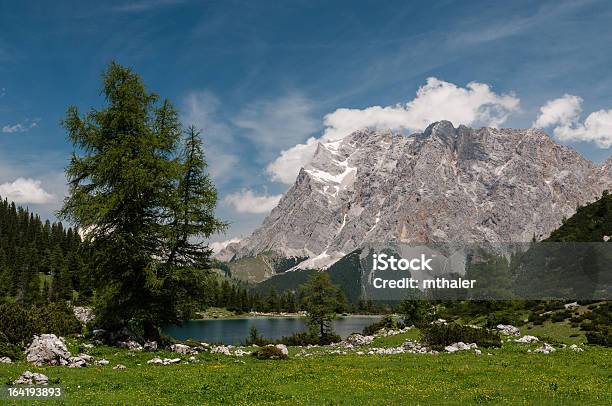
[590, 223]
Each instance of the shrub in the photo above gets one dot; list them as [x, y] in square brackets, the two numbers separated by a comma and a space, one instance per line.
[387, 322]
[560, 316]
[600, 337]
[537, 319]
[415, 311]
[255, 338]
[13, 351]
[308, 338]
[17, 324]
[496, 318]
[553, 305]
[57, 318]
[269, 353]
[438, 336]
[20, 323]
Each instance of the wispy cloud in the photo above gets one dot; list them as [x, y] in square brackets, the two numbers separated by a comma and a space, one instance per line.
[278, 123]
[246, 201]
[202, 109]
[22, 127]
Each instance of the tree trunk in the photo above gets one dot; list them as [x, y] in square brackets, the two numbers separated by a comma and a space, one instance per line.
[151, 332]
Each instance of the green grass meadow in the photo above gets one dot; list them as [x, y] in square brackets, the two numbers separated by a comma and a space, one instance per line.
[510, 375]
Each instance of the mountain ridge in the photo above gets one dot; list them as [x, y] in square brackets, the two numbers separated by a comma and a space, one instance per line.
[444, 184]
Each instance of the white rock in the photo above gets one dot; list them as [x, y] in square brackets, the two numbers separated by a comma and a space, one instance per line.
[130, 345]
[240, 352]
[545, 349]
[29, 378]
[460, 346]
[527, 339]
[283, 348]
[83, 314]
[155, 360]
[182, 349]
[508, 330]
[221, 349]
[48, 349]
[150, 346]
[102, 362]
[358, 339]
[5, 360]
[574, 347]
[571, 306]
[119, 366]
[477, 351]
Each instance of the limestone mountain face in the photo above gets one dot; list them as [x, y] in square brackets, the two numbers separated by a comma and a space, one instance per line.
[443, 185]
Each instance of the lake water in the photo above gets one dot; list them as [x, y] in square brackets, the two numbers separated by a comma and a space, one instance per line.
[235, 331]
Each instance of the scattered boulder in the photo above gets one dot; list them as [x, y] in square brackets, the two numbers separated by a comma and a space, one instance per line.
[165, 361]
[150, 346]
[240, 352]
[48, 349]
[509, 330]
[182, 349]
[606, 238]
[221, 349]
[527, 339]
[545, 349]
[80, 361]
[5, 360]
[575, 348]
[130, 345]
[102, 362]
[83, 314]
[270, 352]
[358, 339]
[414, 347]
[571, 306]
[282, 348]
[460, 346]
[31, 378]
[119, 366]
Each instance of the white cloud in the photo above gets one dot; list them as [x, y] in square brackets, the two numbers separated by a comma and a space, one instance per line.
[27, 125]
[278, 123]
[201, 110]
[563, 114]
[219, 245]
[286, 167]
[564, 111]
[475, 104]
[246, 201]
[25, 190]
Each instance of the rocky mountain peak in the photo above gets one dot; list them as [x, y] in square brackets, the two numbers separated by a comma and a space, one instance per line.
[445, 184]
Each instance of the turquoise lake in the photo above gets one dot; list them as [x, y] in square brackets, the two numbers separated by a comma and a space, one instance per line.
[235, 331]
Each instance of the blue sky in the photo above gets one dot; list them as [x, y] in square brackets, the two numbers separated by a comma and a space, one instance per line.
[260, 77]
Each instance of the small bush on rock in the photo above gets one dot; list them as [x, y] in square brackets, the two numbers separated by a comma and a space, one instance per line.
[438, 336]
[269, 353]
